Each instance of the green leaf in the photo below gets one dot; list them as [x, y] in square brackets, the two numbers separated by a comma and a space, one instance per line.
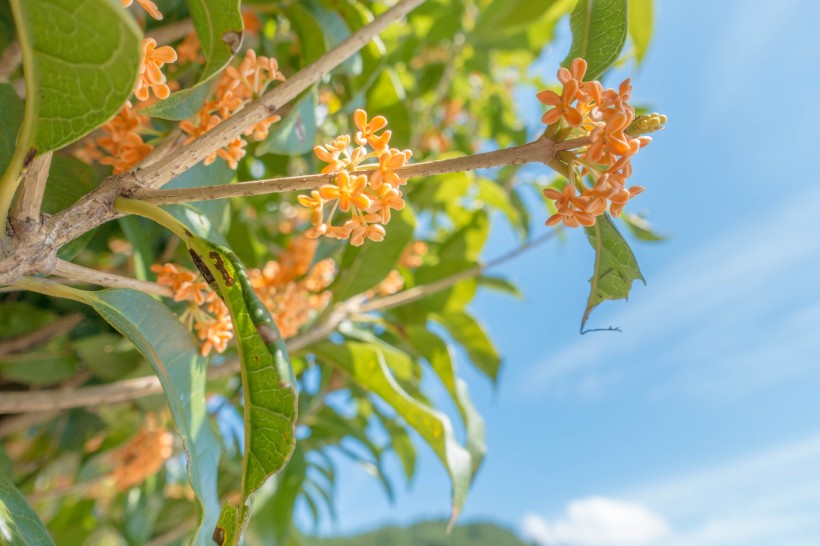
[218, 24]
[365, 365]
[598, 34]
[12, 108]
[270, 398]
[471, 335]
[38, 368]
[174, 353]
[640, 25]
[437, 353]
[19, 524]
[80, 64]
[615, 265]
[641, 229]
[296, 134]
[68, 180]
[363, 267]
[386, 97]
[312, 38]
[496, 197]
[500, 285]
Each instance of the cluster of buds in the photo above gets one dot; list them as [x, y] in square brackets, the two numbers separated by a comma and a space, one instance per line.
[143, 455]
[291, 289]
[606, 117]
[122, 141]
[236, 87]
[368, 196]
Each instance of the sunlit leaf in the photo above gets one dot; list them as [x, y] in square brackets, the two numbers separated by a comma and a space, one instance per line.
[366, 366]
[12, 108]
[471, 335]
[615, 266]
[640, 25]
[598, 34]
[80, 63]
[640, 228]
[19, 524]
[218, 24]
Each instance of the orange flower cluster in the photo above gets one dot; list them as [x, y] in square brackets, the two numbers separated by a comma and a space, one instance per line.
[147, 5]
[122, 141]
[236, 87]
[291, 289]
[604, 115]
[369, 198]
[142, 456]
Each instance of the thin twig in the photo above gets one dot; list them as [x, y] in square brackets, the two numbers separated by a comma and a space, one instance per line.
[130, 389]
[542, 150]
[111, 280]
[26, 209]
[54, 329]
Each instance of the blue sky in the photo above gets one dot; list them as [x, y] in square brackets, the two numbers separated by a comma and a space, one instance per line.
[698, 424]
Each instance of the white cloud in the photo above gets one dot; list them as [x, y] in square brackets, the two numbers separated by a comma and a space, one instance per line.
[597, 521]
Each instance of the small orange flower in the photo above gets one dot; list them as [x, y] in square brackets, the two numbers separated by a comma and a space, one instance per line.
[147, 5]
[366, 133]
[190, 49]
[388, 198]
[348, 190]
[562, 105]
[389, 161]
[215, 335]
[361, 230]
[232, 153]
[316, 204]
[571, 207]
[150, 75]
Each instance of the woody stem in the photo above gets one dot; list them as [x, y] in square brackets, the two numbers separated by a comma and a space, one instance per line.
[542, 150]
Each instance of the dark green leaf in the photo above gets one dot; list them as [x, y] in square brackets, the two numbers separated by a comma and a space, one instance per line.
[296, 134]
[174, 353]
[12, 108]
[39, 368]
[68, 180]
[312, 37]
[19, 524]
[365, 266]
[218, 24]
[598, 34]
[615, 265]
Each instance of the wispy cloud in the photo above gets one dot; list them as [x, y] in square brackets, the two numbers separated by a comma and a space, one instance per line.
[772, 497]
[597, 521]
[739, 298]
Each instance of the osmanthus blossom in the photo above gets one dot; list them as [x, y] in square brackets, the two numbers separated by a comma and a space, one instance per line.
[368, 191]
[150, 73]
[147, 5]
[605, 116]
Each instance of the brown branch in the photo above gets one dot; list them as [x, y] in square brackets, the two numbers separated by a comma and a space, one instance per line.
[101, 278]
[130, 389]
[542, 150]
[36, 252]
[25, 212]
[59, 327]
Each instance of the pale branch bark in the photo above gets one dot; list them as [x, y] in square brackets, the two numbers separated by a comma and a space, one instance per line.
[26, 208]
[36, 252]
[76, 272]
[131, 389]
[61, 326]
[171, 32]
[10, 59]
[542, 150]
[270, 103]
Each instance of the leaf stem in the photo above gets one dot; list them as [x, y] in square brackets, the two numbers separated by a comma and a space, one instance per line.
[152, 212]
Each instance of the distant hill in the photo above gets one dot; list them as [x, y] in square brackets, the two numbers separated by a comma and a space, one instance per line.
[426, 533]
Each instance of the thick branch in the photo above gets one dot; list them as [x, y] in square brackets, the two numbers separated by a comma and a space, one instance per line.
[111, 280]
[26, 209]
[542, 150]
[131, 389]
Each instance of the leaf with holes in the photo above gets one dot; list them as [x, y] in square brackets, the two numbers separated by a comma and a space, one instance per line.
[615, 265]
[598, 34]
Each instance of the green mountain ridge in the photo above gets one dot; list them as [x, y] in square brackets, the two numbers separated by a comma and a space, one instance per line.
[426, 533]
